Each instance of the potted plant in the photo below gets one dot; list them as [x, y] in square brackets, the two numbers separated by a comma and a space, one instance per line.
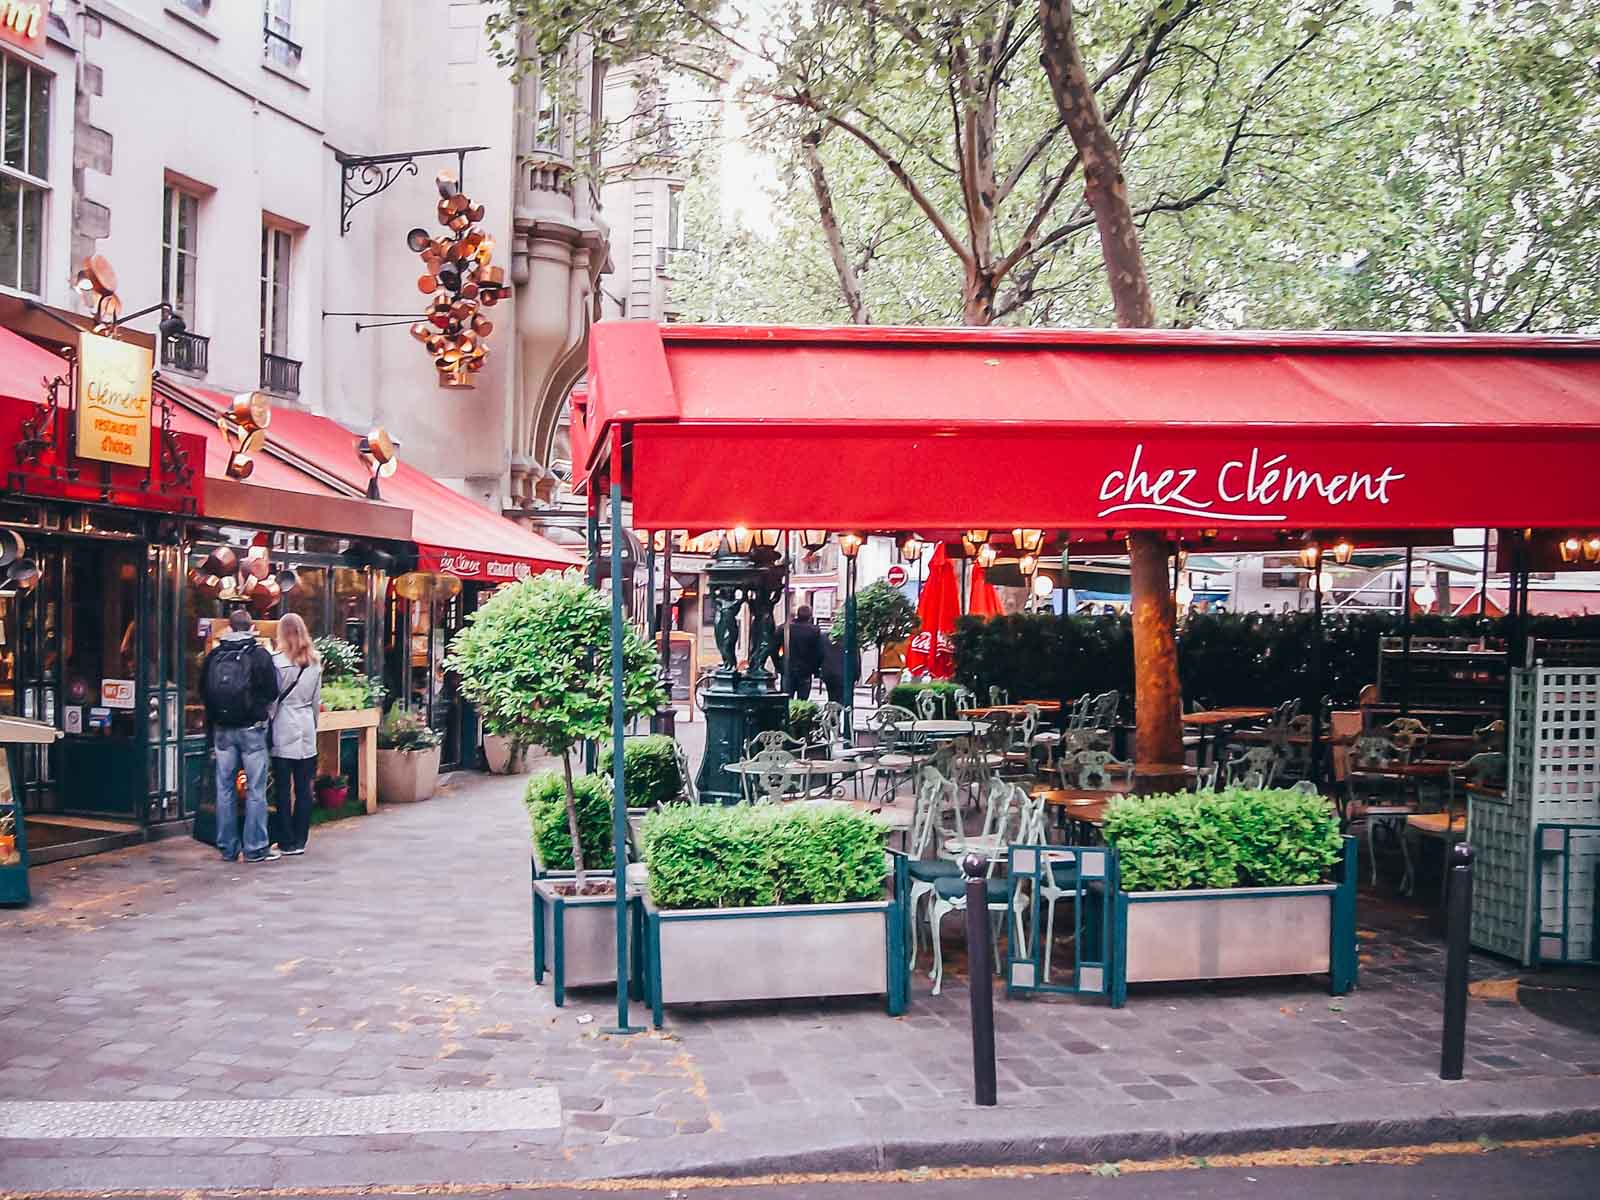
[736, 897]
[1231, 885]
[536, 660]
[332, 790]
[503, 755]
[408, 758]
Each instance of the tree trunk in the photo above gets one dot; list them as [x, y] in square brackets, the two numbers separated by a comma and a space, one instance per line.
[572, 820]
[1157, 695]
[849, 282]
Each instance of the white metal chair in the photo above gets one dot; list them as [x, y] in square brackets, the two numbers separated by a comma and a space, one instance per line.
[1020, 739]
[1256, 767]
[898, 752]
[685, 776]
[1371, 765]
[937, 811]
[771, 778]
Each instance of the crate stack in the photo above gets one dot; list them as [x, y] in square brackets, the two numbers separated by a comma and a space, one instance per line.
[1538, 849]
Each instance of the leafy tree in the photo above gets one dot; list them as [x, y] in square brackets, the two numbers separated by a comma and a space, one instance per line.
[536, 660]
[883, 615]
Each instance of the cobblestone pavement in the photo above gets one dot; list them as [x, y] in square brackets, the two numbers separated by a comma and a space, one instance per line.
[393, 959]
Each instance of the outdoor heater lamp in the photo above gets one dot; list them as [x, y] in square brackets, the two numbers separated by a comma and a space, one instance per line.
[850, 544]
[1028, 540]
[814, 539]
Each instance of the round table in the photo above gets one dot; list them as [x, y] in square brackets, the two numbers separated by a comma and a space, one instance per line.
[946, 729]
[807, 769]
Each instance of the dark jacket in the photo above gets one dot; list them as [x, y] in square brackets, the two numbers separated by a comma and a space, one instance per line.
[832, 661]
[263, 678]
[805, 649]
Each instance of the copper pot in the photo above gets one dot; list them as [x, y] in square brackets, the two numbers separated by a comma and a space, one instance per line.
[221, 561]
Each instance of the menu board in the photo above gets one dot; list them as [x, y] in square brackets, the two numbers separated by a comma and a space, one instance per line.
[680, 666]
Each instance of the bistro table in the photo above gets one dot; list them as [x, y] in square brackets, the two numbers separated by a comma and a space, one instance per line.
[1084, 807]
[1219, 721]
[1011, 710]
[806, 770]
[945, 729]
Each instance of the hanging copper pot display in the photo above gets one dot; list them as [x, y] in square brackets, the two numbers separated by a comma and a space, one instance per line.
[460, 281]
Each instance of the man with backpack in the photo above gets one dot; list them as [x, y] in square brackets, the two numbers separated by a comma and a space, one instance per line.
[239, 685]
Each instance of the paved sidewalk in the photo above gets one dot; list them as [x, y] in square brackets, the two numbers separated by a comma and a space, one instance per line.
[392, 963]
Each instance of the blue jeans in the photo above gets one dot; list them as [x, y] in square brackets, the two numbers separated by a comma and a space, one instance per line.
[246, 747]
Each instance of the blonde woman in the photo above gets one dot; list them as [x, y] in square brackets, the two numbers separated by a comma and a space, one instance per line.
[294, 732]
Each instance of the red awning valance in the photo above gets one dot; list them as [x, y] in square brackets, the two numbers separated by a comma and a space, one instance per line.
[877, 428]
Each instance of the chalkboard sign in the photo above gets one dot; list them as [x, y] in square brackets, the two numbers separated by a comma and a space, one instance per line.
[680, 666]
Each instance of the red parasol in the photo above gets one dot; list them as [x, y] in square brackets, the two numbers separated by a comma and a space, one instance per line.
[982, 600]
[931, 654]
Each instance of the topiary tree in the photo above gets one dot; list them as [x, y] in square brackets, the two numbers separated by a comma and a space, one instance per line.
[883, 615]
[536, 660]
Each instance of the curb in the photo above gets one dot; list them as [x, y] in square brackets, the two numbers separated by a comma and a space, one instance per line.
[1405, 1114]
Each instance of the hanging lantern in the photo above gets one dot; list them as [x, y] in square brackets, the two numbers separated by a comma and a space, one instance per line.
[1309, 554]
[740, 539]
[1571, 548]
[1028, 541]
[986, 555]
[814, 539]
[850, 544]
[1342, 550]
[1028, 564]
[768, 539]
[911, 547]
[1591, 548]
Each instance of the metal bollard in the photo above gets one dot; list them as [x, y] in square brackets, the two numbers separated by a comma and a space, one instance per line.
[974, 866]
[1458, 919]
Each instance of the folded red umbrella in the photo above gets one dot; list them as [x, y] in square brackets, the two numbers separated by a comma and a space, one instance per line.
[982, 600]
[931, 654]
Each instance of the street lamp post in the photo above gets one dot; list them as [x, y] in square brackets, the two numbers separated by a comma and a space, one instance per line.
[850, 546]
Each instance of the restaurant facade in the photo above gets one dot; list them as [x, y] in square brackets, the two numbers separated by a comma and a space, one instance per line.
[127, 539]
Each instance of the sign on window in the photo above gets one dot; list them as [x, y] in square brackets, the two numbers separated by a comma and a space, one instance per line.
[22, 24]
[113, 401]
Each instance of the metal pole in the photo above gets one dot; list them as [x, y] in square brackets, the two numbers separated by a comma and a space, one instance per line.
[1316, 673]
[850, 653]
[666, 720]
[1483, 586]
[650, 585]
[1405, 639]
[1459, 917]
[591, 572]
[619, 801]
[981, 989]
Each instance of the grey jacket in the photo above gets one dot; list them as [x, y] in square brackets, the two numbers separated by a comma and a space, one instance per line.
[294, 720]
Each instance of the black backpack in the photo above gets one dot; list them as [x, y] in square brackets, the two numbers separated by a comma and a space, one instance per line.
[227, 683]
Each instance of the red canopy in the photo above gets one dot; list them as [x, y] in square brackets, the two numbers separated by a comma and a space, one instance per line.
[982, 599]
[1094, 430]
[932, 652]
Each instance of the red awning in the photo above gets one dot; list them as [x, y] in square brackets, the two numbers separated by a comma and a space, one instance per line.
[880, 428]
[453, 534]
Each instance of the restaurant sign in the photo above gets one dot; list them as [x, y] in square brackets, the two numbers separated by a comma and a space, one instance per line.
[113, 401]
[474, 566]
[22, 24]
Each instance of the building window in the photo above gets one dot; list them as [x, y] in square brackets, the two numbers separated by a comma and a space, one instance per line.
[281, 47]
[276, 248]
[675, 217]
[179, 250]
[202, 7]
[24, 166]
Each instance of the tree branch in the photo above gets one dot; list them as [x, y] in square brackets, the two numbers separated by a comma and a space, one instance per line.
[849, 283]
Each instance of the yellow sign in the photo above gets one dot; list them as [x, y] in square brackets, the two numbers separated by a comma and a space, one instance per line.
[113, 401]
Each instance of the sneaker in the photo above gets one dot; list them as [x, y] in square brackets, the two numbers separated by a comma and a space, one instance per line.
[296, 850]
[230, 858]
[269, 856]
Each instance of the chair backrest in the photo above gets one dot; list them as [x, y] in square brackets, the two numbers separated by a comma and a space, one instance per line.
[1306, 788]
[1257, 767]
[1488, 767]
[685, 776]
[998, 694]
[1096, 767]
[1407, 732]
[1024, 726]
[830, 723]
[1079, 712]
[886, 724]
[930, 704]
[772, 777]
[1490, 737]
[1374, 752]
[1031, 821]
[1103, 712]
[773, 739]
[936, 797]
[1000, 809]
[964, 698]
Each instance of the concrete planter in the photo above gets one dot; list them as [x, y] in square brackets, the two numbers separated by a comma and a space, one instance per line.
[407, 776]
[498, 759]
[1237, 933]
[783, 952]
[575, 937]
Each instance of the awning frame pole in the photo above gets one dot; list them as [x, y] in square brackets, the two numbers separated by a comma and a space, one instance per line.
[591, 572]
[1315, 749]
[650, 586]
[850, 651]
[1405, 637]
[619, 803]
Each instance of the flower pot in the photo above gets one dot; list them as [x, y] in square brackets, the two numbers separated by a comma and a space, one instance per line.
[333, 797]
[498, 758]
[406, 776]
[575, 937]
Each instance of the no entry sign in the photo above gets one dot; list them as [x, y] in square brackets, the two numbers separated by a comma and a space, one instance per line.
[896, 576]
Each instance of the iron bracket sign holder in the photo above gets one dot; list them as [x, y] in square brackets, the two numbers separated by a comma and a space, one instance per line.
[363, 176]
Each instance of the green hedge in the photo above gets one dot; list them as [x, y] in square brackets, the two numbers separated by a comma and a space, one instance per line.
[744, 857]
[801, 723]
[1223, 658]
[546, 799]
[649, 770]
[1229, 839]
[904, 695]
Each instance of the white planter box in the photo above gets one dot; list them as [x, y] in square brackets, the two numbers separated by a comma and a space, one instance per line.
[575, 937]
[407, 776]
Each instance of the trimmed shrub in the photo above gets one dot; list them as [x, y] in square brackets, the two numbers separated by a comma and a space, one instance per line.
[904, 695]
[546, 799]
[1231, 839]
[649, 770]
[745, 857]
[801, 723]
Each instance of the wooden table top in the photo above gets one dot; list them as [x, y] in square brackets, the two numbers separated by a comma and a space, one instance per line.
[1225, 716]
[1080, 804]
[1011, 710]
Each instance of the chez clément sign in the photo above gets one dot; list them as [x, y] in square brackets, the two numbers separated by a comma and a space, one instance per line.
[113, 401]
[22, 24]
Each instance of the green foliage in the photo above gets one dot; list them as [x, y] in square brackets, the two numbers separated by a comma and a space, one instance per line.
[883, 615]
[649, 770]
[546, 799]
[349, 693]
[340, 659]
[402, 730]
[745, 857]
[324, 782]
[1235, 838]
[801, 723]
[536, 660]
[352, 807]
[904, 695]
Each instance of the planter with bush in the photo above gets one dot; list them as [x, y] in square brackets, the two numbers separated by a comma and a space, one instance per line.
[1231, 885]
[649, 770]
[771, 903]
[574, 930]
[408, 758]
[904, 695]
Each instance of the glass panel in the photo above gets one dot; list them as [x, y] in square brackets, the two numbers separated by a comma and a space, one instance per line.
[166, 217]
[16, 100]
[199, 613]
[188, 218]
[10, 201]
[32, 238]
[100, 632]
[350, 606]
[308, 598]
[39, 124]
[280, 292]
[10, 635]
[266, 275]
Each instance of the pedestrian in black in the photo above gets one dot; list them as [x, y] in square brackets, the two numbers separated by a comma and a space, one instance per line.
[833, 668]
[804, 655]
[239, 686]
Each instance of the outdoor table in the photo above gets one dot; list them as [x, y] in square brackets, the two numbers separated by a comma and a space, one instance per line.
[807, 769]
[897, 818]
[1080, 806]
[1218, 721]
[946, 729]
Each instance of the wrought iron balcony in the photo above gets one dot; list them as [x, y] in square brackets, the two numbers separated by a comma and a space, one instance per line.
[186, 352]
[280, 49]
[279, 374]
